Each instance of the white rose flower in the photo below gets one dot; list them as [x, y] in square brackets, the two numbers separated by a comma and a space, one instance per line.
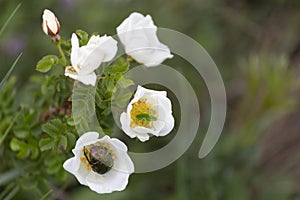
[50, 23]
[88, 58]
[148, 113]
[101, 164]
[138, 35]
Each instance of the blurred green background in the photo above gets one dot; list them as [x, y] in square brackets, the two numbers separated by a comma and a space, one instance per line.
[255, 44]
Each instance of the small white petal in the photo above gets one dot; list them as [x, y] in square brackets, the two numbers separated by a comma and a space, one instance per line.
[71, 165]
[86, 139]
[108, 47]
[125, 125]
[169, 125]
[142, 90]
[112, 181]
[81, 174]
[88, 79]
[75, 54]
[118, 144]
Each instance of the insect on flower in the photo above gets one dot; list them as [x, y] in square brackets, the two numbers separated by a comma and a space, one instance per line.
[99, 158]
[102, 164]
[148, 113]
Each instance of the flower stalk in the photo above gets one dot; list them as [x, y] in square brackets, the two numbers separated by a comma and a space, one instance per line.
[61, 52]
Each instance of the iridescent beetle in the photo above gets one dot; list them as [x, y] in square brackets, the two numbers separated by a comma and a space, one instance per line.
[99, 158]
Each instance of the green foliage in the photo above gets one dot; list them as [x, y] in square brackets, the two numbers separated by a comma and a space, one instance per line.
[42, 134]
[46, 63]
[83, 37]
[108, 92]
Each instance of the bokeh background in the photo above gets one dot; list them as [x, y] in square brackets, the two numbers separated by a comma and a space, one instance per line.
[256, 46]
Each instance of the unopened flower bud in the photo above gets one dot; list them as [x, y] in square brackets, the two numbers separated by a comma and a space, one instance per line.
[50, 23]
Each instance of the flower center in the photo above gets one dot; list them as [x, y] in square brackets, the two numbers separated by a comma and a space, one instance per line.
[142, 114]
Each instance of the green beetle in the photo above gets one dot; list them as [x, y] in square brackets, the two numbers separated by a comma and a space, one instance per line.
[99, 158]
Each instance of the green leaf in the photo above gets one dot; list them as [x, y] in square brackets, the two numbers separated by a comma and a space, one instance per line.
[46, 63]
[46, 144]
[83, 36]
[70, 121]
[15, 144]
[63, 142]
[71, 139]
[59, 125]
[34, 152]
[21, 132]
[109, 83]
[117, 69]
[125, 83]
[31, 119]
[51, 161]
[51, 130]
[23, 153]
[54, 169]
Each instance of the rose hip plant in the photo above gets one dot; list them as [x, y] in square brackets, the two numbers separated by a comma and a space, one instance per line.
[41, 133]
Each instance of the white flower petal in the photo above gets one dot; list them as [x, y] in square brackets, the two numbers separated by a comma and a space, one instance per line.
[86, 139]
[125, 125]
[71, 165]
[90, 59]
[81, 174]
[88, 79]
[169, 125]
[108, 47]
[75, 54]
[112, 181]
[118, 144]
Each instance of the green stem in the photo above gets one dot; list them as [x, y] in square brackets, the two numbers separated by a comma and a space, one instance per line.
[61, 52]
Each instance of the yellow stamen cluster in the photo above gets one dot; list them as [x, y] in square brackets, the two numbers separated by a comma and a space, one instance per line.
[141, 107]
